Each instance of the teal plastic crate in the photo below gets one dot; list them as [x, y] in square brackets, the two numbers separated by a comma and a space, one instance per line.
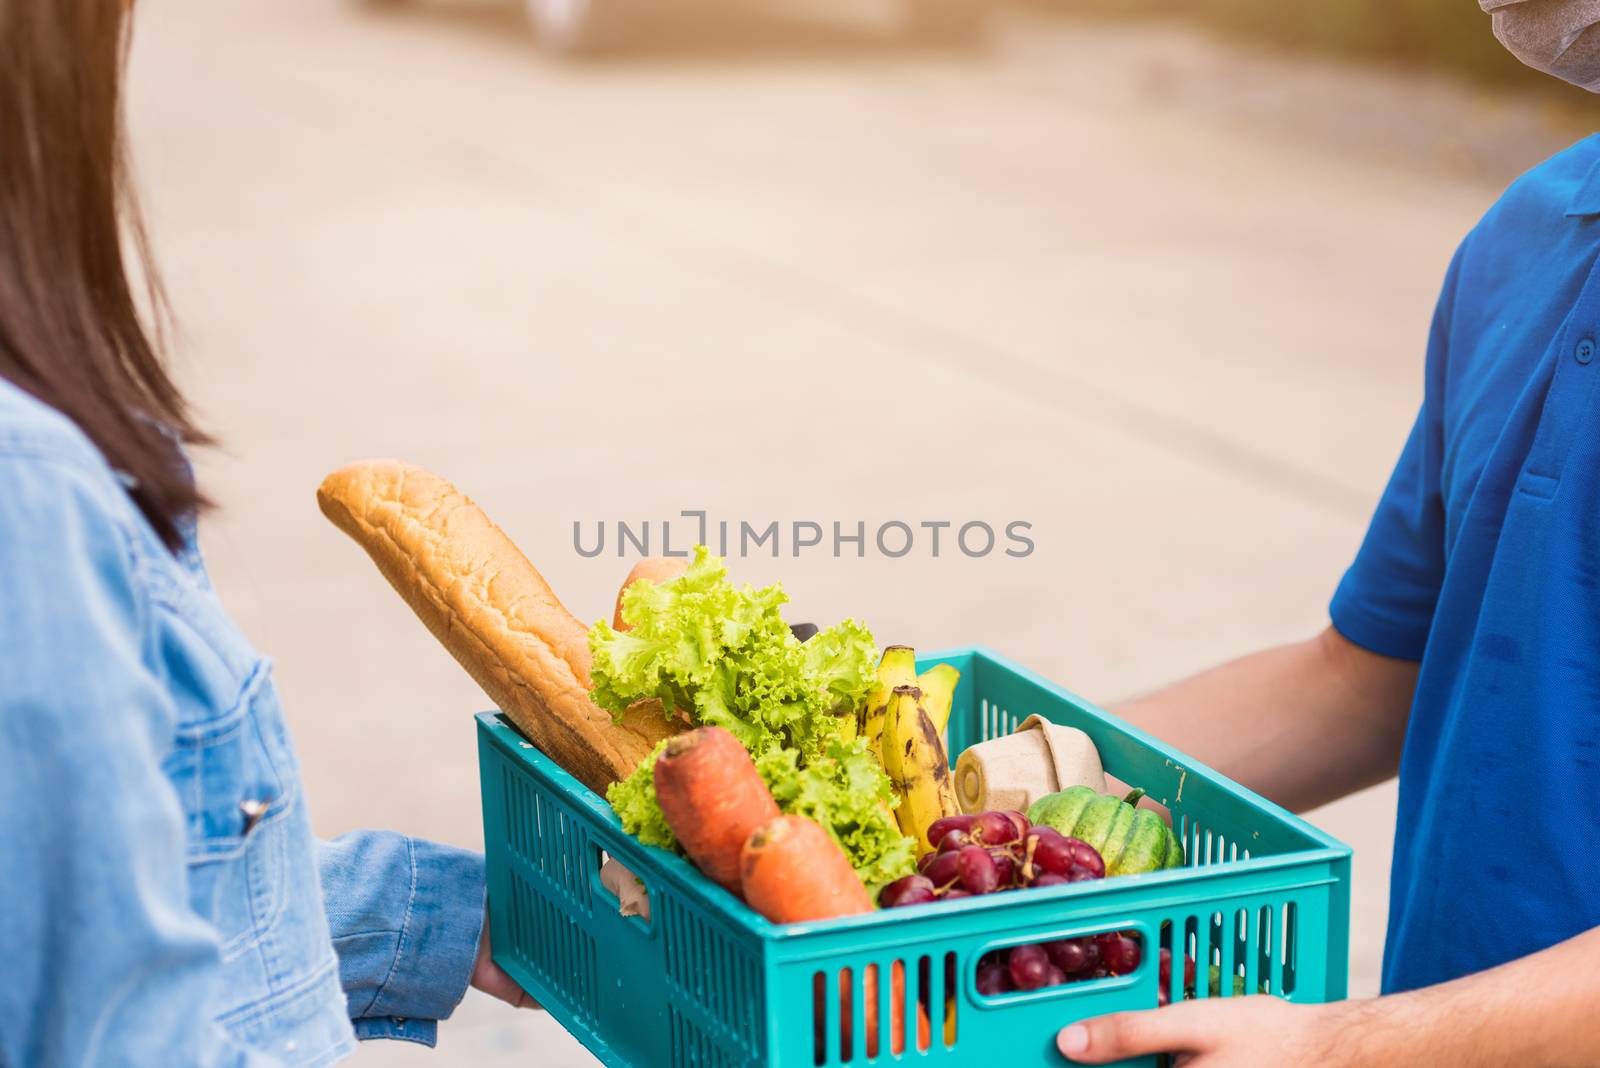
[706, 982]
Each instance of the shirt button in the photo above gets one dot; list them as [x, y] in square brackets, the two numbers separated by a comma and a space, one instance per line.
[1585, 350]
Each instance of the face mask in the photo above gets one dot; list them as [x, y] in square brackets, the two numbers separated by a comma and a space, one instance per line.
[1559, 37]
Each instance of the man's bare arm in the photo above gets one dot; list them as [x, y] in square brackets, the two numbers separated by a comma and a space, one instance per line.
[1302, 724]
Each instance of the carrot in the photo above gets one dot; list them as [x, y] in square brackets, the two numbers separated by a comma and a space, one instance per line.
[654, 568]
[792, 870]
[713, 798]
[897, 1012]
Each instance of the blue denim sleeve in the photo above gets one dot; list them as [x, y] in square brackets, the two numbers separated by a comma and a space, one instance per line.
[105, 962]
[406, 916]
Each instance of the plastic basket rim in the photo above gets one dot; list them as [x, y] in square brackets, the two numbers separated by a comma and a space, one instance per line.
[1310, 830]
[730, 910]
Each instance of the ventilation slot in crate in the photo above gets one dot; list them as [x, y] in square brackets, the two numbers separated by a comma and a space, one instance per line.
[693, 1048]
[1202, 847]
[850, 1007]
[712, 975]
[549, 943]
[994, 721]
[548, 840]
[1243, 951]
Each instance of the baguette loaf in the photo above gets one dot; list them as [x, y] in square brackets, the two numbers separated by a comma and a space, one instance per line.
[473, 588]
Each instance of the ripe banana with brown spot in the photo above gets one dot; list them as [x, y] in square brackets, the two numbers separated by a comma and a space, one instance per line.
[915, 761]
[897, 667]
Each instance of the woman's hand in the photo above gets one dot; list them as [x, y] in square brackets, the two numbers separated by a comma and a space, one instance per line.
[488, 977]
[1245, 1032]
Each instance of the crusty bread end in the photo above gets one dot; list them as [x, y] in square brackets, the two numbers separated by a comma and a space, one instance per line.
[478, 594]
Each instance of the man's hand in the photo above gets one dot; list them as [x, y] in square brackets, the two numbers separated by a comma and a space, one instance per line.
[1246, 1032]
[488, 977]
[1537, 1012]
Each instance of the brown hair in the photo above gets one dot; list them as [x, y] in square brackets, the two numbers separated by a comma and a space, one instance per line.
[71, 331]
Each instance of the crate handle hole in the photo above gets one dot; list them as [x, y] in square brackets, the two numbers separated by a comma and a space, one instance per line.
[621, 890]
[1083, 960]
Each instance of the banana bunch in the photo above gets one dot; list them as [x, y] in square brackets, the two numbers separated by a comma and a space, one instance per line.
[903, 721]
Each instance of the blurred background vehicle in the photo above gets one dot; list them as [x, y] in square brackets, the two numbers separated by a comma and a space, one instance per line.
[585, 27]
[1157, 283]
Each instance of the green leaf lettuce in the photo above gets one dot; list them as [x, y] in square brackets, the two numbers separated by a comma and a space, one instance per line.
[724, 655]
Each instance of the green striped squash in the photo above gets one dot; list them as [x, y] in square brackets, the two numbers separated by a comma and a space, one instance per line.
[1130, 839]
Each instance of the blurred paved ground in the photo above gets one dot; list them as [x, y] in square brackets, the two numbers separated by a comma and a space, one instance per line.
[1163, 300]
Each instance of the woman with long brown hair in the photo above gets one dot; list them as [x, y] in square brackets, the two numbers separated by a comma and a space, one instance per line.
[162, 899]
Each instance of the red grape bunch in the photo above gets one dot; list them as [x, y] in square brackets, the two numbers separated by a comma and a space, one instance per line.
[1069, 960]
[980, 853]
[1164, 995]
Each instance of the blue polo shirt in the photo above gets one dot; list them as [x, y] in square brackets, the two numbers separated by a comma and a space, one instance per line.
[1483, 563]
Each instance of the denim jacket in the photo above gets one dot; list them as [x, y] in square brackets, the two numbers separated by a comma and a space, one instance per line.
[162, 899]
